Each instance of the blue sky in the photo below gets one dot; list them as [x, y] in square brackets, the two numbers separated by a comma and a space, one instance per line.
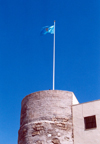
[26, 57]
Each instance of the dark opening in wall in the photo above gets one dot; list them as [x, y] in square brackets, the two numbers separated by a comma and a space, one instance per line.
[90, 122]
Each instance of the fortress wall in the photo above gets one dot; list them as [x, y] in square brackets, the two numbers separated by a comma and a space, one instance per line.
[46, 118]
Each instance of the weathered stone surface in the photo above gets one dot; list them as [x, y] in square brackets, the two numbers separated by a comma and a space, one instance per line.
[56, 141]
[35, 133]
[39, 142]
[46, 118]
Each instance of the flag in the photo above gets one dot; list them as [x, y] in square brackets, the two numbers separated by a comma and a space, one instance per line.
[47, 29]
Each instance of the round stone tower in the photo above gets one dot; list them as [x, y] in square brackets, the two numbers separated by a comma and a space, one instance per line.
[46, 118]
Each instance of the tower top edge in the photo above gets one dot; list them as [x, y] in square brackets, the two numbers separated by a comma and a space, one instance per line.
[47, 91]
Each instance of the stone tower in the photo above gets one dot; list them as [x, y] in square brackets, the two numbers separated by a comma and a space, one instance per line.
[46, 118]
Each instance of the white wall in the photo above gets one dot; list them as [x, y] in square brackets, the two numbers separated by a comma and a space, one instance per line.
[75, 101]
[82, 136]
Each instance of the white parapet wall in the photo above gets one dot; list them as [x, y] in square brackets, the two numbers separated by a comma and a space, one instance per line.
[75, 101]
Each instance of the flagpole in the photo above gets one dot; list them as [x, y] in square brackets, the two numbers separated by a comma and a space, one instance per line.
[54, 59]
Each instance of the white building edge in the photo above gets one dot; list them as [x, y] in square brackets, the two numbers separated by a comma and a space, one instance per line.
[86, 122]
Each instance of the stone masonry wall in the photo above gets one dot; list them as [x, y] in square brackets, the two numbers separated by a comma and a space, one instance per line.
[46, 118]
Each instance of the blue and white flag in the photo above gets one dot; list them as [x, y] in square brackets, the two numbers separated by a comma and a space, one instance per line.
[47, 29]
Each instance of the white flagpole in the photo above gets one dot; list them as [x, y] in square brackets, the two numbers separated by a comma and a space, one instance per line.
[54, 59]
